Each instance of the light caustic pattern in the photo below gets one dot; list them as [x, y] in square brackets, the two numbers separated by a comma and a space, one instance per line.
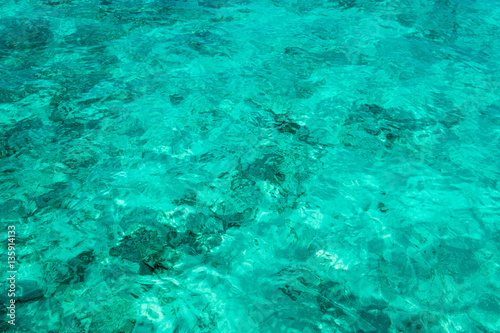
[252, 166]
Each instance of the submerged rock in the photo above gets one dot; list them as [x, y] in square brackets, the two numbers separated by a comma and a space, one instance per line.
[20, 34]
[26, 291]
[79, 265]
[148, 249]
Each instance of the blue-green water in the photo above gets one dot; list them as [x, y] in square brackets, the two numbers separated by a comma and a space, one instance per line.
[251, 166]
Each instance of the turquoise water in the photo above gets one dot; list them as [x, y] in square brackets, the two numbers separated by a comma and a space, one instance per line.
[251, 166]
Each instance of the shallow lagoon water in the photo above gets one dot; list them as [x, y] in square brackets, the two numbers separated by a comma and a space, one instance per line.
[251, 166]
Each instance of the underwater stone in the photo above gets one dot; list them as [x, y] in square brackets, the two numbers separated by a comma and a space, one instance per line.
[26, 135]
[52, 199]
[57, 272]
[382, 207]
[10, 95]
[267, 168]
[235, 220]
[79, 265]
[144, 325]
[176, 99]
[377, 318]
[29, 290]
[149, 249]
[285, 125]
[26, 291]
[20, 34]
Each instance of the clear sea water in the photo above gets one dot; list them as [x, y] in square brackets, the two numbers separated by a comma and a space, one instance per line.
[251, 165]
